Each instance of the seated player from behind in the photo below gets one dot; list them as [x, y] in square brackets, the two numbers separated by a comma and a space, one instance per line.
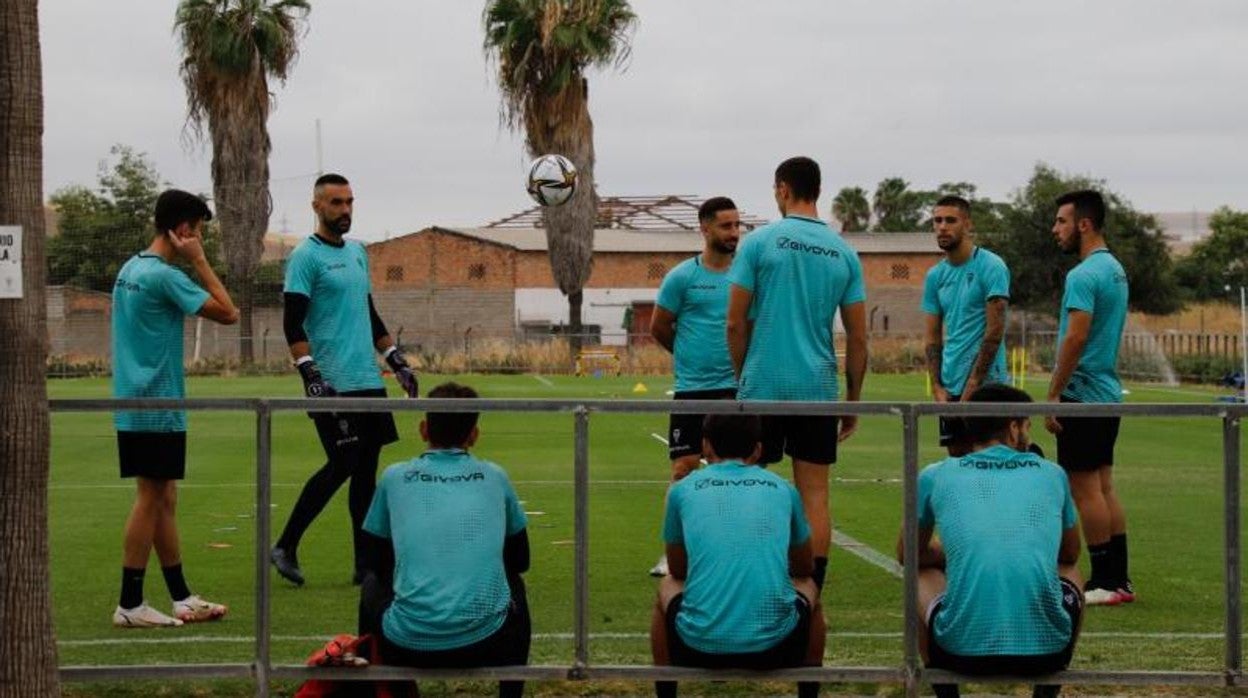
[739, 593]
[999, 593]
[447, 546]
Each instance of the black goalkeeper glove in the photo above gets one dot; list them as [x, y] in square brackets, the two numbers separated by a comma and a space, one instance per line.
[314, 385]
[403, 372]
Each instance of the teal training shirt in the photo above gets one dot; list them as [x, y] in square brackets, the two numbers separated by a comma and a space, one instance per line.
[1000, 514]
[1097, 285]
[339, 327]
[800, 272]
[737, 523]
[447, 514]
[151, 299]
[698, 297]
[958, 294]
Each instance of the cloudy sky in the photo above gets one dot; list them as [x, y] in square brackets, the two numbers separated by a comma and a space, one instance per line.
[1148, 94]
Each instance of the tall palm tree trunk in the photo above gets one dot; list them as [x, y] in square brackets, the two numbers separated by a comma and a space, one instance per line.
[240, 176]
[570, 227]
[28, 658]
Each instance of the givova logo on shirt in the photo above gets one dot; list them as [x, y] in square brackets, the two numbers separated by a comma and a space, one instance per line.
[1012, 464]
[799, 246]
[745, 482]
[422, 476]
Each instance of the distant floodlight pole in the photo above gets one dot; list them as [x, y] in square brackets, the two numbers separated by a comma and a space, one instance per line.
[1243, 342]
[320, 165]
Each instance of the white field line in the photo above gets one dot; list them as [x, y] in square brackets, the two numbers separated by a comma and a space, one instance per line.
[171, 639]
[859, 549]
[219, 485]
[543, 380]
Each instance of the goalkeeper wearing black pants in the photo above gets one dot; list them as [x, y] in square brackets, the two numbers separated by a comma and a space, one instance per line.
[329, 319]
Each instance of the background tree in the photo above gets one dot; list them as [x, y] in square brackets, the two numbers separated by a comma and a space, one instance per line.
[1038, 268]
[1219, 260]
[28, 661]
[896, 208]
[101, 228]
[542, 49]
[852, 209]
[985, 213]
[231, 49]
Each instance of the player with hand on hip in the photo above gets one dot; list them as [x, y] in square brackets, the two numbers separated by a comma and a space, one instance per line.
[688, 321]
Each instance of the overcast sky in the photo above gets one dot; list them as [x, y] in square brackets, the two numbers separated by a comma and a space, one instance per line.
[1148, 94]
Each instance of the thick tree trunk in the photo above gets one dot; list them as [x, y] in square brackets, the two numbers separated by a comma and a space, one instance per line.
[27, 645]
[576, 339]
[240, 183]
[569, 131]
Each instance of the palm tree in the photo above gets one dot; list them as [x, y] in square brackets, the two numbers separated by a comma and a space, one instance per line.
[28, 667]
[852, 209]
[896, 208]
[231, 49]
[542, 48]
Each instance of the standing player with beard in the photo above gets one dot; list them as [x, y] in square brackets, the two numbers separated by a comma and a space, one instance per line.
[965, 298]
[688, 321]
[1093, 315]
[329, 314]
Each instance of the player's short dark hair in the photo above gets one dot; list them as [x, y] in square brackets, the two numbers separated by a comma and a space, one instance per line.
[802, 175]
[712, 206]
[450, 429]
[175, 207]
[733, 435]
[955, 201]
[985, 429]
[329, 178]
[1088, 204]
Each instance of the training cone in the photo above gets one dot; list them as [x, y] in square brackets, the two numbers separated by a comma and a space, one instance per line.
[640, 388]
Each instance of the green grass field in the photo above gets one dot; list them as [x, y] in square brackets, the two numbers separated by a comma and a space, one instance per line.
[1169, 477]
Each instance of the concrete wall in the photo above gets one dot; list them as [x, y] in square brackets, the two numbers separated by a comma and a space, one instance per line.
[442, 318]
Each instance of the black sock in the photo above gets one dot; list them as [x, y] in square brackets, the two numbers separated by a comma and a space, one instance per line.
[821, 572]
[946, 690]
[176, 582]
[131, 587]
[1118, 544]
[1046, 690]
[807, 689]
[665, 689]
[1102, 559]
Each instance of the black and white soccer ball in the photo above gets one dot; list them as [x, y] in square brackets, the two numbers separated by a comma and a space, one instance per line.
[552, 180]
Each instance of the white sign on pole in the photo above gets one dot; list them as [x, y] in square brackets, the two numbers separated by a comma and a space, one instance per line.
[10, 261]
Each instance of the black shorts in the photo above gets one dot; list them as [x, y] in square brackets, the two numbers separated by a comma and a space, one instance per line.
[811, 438]
[507, 646]
[789, 652]
[684, 431]
[1086, 443]
[952, 429]
[157, 455]
[1008, 664]
[350, 429]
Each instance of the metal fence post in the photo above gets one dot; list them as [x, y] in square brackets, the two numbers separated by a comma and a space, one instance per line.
[1231, 484]
[581, 537]
[910, 585]
[264, 444]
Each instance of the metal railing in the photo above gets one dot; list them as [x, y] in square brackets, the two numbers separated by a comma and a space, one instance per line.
[910, 672]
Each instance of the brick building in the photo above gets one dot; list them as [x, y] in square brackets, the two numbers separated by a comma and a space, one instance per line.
[445, 286]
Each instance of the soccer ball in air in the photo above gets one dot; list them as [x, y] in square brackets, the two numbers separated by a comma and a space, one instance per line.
[552, 180]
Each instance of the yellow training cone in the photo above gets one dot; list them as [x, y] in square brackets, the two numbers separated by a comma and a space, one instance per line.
[640, 388]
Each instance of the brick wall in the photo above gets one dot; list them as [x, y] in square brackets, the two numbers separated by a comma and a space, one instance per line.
[445, 260]
[889, 269]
